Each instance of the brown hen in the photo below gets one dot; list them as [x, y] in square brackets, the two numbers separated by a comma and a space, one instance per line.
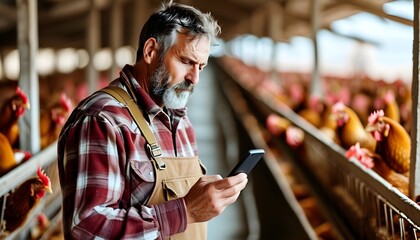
[7, 158]
[375, 162]
[13, 103]
[52, 119]
[350, 129]
[23, 199]
[393, 141]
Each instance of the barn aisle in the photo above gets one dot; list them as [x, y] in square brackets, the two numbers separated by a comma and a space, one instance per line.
[213, 124]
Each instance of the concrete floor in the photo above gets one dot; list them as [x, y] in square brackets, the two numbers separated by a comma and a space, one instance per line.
[213, 124]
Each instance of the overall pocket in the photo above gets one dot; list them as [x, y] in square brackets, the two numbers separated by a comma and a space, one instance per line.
[178, 187]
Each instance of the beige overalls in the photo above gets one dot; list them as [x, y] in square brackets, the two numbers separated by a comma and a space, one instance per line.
[173, 176]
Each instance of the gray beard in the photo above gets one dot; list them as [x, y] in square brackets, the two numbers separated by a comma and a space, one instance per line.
[173, 97]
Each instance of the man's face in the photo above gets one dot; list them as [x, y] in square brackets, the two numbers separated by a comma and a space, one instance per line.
[174, 79]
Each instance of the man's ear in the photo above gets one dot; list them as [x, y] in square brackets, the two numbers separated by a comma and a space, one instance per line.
[150, 50]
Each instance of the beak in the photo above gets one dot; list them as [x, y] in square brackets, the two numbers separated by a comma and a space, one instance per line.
[27, 105]
[369, 128]
[48, 189]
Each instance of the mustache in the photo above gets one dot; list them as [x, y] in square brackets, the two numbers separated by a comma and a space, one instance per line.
[184, 86]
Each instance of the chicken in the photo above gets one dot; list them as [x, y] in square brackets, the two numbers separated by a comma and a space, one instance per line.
[313, 112]
[393, 141]
[7, 158]
[13, 103]
[10, 158]
[391, 108]
[42, 225]
[318, 113]
[277, 125]
[282, 127]
[294, 136]
[361, 103]
[52, 119]
[349, 128]
[23, 199]
[372, 160]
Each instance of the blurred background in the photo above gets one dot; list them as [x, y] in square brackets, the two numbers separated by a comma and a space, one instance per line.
[274, 60]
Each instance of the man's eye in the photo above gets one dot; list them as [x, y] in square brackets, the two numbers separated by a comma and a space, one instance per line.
[201, 67]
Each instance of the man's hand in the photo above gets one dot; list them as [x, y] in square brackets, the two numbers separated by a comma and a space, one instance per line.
[211, 195]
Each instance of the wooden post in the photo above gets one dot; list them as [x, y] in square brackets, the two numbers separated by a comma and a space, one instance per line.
[93, 33]
[140, 10]
[116, 34]
[316, 81]
[275, 23]
[415, 124]
[29, 135]
[258, 22]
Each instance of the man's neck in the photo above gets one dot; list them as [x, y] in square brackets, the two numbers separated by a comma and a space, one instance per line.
[141, 75]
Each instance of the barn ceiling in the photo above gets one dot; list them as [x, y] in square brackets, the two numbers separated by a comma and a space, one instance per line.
[64, 23]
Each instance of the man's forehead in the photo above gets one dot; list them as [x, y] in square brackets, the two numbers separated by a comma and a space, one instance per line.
[198, 47]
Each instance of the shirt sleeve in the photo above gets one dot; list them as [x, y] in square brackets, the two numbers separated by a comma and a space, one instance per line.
[95, 155]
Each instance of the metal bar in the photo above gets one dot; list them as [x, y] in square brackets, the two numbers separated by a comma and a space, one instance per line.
[25, 170]
[28, 81]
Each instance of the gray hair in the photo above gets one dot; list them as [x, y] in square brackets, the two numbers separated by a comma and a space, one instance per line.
[173, 19]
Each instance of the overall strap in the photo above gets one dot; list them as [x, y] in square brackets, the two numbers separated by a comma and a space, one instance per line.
[123, 97]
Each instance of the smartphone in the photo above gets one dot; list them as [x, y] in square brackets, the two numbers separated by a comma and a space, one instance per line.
[248, 162]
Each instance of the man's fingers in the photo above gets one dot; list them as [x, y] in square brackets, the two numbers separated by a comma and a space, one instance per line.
[230, 181]
[210, 178]
[234, 190]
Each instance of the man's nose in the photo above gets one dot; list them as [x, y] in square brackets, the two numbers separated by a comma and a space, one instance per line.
[194, 74]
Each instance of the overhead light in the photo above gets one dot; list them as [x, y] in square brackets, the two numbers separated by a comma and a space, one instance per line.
[102, 60]
[45, 61]
[11, 65]
[67, 60]
[219, 49]
[83, 58]
[402, 9]
[124, 55]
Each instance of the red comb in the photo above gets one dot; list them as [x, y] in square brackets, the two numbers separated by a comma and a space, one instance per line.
[65, 102]
[374, 116]
[389, 96]
[338, 107]
[22, 94]
[44, 178]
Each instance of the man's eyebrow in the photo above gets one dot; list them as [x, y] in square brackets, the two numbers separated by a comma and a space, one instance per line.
[190, 59]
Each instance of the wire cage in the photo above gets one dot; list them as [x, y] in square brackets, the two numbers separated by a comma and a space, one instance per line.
[49, 206]
[371, 206]
[358, 198]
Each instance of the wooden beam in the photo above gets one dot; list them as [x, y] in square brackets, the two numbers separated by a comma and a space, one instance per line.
[66, 9]
[8, 13]
[415, 110]
[370, 7]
